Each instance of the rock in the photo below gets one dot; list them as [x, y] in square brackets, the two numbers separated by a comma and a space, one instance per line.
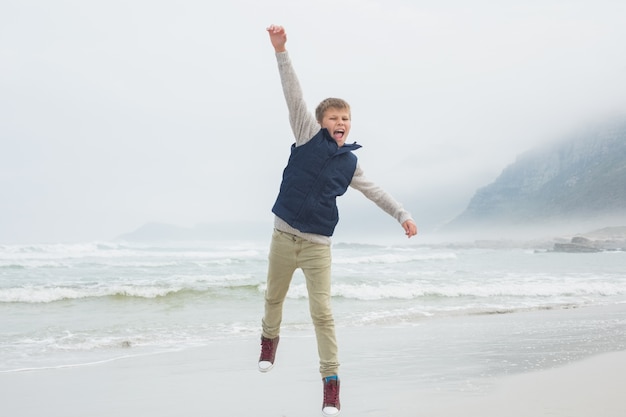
[574, 248]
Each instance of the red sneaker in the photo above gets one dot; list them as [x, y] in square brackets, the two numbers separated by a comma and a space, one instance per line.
[331, 405]
[268, 353]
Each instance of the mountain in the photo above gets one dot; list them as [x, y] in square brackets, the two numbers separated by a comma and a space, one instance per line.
[151, 232]
[581, 180]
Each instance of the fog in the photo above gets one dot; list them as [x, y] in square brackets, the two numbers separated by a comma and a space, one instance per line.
[118, 113]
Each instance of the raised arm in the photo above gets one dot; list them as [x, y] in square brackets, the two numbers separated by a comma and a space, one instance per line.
[303, 123]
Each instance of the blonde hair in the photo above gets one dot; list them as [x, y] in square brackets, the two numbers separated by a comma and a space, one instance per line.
[331, 102]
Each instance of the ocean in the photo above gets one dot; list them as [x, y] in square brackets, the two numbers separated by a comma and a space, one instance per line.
[67, 305]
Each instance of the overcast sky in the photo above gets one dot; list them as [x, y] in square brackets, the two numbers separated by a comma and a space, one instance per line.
[117, 113]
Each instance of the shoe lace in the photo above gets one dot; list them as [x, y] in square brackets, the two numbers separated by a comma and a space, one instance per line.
[331, 393]
[267, 347]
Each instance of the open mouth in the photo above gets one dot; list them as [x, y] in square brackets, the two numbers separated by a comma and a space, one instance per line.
[338, 134]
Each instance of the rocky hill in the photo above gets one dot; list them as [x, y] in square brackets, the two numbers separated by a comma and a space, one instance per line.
[223, 231]
[582, 179]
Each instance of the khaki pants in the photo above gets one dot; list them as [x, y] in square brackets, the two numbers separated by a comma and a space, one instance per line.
[287, 253]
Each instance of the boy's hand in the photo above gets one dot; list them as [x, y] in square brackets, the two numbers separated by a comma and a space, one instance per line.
[278, 37]
[410, 228]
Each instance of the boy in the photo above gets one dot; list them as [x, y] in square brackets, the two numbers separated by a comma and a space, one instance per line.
[320, 168]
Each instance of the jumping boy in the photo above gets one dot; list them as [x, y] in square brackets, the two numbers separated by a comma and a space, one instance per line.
[320, 168]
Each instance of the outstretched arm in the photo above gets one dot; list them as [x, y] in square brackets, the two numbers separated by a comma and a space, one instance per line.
[383, 200]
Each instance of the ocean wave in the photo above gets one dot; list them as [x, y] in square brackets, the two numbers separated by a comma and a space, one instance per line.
[420, 290]
[393, 258]
[11, 266]
[47, 294]
[223, 285]
[58, 249]
[416, 315]
[19, 254]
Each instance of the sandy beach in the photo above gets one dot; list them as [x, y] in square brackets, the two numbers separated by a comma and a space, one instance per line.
[591, 387]
[384, 375]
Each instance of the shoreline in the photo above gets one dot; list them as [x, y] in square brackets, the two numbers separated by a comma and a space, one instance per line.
[437, 368]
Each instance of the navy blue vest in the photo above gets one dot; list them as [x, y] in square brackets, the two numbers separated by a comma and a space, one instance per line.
[317, 173]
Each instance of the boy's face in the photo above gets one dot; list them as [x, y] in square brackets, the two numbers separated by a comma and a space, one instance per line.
[337, 121]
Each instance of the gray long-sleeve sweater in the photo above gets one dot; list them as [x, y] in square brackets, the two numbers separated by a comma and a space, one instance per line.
[304, 127]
